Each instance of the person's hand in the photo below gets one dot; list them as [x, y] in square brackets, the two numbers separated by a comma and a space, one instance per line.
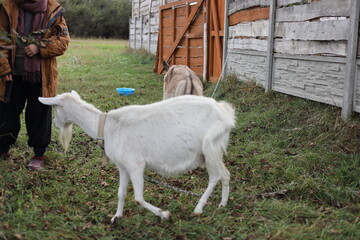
[8, 78]
[31, 50]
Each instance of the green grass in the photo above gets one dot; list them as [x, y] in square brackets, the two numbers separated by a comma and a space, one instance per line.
[294, 165]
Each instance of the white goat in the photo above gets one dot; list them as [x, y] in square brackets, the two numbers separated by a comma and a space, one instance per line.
[170, 137]
[181, 80]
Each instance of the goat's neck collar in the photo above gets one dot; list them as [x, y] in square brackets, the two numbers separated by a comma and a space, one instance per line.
[100, 135]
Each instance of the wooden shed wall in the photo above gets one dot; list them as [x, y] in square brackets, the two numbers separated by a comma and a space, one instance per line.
[144, 24]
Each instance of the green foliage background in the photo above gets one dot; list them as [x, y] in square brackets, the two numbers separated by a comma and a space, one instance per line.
[98, 18]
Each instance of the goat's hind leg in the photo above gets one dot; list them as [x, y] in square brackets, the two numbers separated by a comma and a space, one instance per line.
[225, 179]
[217, 171]
[124, 180]
[137, 179]
[213, 180]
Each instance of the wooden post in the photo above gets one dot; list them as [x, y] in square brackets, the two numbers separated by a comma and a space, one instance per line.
[187, 40]
[225, 42]
[205, 66]
[160, 39]
[349, 84]
[216, 29]
[270, 47]
[173, 28]
[159, 50]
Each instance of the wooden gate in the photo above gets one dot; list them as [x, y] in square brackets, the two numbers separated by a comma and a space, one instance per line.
[190, 33]
[216, 36]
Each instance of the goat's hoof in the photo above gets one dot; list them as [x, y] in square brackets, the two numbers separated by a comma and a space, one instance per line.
[222, 204]
[196, 214]
[113, 219]
[165, 215]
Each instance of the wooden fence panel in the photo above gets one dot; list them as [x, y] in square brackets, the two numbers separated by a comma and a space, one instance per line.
[216, 36]
[249, 15]
[181, 30]
[183, 27]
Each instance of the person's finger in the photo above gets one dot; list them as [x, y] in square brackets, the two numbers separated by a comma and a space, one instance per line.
[8, 78]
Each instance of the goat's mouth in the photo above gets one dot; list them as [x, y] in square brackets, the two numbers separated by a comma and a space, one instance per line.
[65, 136]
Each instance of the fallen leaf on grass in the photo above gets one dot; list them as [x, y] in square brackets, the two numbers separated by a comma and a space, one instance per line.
[334, 231]
[87, 225]
[104, 184]
[6, 226]
[32, 225]
[17, 236]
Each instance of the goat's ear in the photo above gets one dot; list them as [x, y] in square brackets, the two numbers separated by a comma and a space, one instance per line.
[166, 65]
[168, 75]
[75, 93]
[49, 101]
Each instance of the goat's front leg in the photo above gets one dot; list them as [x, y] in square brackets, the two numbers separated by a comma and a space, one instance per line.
[137, 179]
[124, 180]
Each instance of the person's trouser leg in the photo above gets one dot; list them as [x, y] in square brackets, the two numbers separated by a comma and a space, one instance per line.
[38, 120]
[10, 116]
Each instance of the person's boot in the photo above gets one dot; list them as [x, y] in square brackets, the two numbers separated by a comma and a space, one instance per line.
[36, 163]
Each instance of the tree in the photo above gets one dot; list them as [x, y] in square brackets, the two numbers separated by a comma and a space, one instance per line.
[100, 18]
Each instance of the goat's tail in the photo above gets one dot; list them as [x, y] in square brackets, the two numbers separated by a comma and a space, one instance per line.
[229, 111]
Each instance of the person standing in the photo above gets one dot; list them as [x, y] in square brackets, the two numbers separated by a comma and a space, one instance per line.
[30, 71]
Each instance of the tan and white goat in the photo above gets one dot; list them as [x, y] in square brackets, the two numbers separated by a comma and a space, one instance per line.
[170, 137]
[181, 80]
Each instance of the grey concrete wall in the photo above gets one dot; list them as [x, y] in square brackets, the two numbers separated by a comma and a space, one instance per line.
[315, 78]
[247, 65]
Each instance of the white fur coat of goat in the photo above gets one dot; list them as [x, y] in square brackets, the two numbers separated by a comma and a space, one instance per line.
[181, 80]
[170, 137]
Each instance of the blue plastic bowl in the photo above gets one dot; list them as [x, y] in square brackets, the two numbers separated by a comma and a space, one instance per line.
[125, 91]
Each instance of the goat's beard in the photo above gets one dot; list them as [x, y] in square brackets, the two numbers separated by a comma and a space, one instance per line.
[65, 136]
